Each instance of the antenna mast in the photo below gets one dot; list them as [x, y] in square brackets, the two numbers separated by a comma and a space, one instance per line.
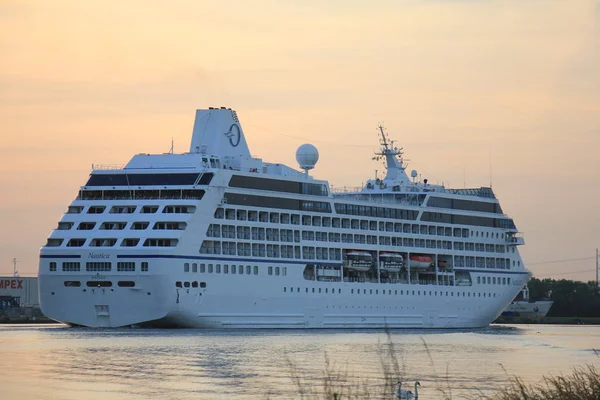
[490, 171]
[597, 260]
[16, 272]
[385, 144]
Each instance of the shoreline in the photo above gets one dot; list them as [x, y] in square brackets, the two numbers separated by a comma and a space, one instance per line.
[548, 320]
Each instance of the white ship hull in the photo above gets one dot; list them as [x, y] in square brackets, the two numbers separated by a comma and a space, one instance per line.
[259, 301]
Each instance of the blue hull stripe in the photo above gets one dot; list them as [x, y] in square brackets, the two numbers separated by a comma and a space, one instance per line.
[60, 256]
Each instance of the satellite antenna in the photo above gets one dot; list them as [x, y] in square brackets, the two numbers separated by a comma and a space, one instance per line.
[307, 156]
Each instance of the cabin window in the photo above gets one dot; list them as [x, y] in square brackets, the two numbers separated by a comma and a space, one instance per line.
[130, 242]
[127, 266]
[70, 266]
[98, 266]
[75, 242]
[139, 226]
[54, 242]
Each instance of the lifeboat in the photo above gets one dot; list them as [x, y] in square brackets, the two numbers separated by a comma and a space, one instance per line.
[420, 261]
[390, 261]
[359, 260]
[442, 263]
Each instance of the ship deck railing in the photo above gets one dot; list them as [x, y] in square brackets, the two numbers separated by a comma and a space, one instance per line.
[351, 192]
[107, 167]
[412, 200]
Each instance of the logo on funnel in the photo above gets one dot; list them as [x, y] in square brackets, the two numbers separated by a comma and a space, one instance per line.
[234, 135]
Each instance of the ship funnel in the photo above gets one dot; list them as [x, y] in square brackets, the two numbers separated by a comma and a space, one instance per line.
[217, 131]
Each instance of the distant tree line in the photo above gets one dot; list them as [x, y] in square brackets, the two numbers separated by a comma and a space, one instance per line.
[571, 298]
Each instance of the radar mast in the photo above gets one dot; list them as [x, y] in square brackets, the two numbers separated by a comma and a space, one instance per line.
[393, 156]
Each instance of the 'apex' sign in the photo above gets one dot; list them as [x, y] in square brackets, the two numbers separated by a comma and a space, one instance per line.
[11, 283]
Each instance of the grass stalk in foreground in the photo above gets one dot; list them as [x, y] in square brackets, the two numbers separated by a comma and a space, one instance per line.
[337, 383]
[582, 384]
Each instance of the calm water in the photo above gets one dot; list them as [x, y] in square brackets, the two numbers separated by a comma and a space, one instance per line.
[56, 362]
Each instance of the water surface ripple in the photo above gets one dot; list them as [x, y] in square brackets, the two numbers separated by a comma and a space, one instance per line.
[58, 362]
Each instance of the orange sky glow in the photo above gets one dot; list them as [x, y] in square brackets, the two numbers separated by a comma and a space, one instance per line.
[461, 84]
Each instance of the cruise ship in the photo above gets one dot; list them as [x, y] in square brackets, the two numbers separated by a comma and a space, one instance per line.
[216, 238]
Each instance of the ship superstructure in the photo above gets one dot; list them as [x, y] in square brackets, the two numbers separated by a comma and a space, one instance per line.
[217, 238]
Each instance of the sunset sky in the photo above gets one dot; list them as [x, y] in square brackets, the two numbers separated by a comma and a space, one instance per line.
[465, 86]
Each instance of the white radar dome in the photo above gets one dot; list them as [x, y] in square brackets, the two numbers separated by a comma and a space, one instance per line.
[307, 156]
[413, 173]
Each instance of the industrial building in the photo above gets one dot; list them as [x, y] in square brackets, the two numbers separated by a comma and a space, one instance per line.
[16, 291]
